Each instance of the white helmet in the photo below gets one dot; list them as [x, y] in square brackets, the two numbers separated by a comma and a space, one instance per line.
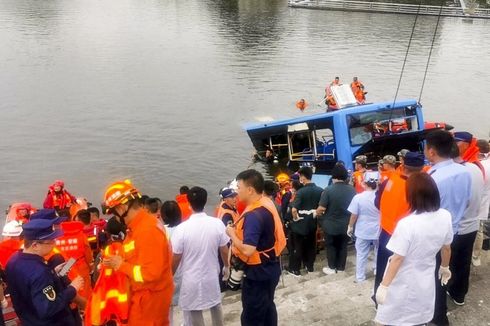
[12, 229]
[233, 185]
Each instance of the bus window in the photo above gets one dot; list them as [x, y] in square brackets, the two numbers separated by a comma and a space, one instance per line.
[364, 126]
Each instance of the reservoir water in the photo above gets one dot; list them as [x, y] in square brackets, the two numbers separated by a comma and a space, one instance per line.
[158, 90]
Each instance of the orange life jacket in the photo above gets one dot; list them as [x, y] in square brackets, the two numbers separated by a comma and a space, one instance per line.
[393, 205]
[62, 200]
[360, 96]
[280, 238]
[74, 244]
[223, 211]
[302, 105]
[110, 295]
[358, 177]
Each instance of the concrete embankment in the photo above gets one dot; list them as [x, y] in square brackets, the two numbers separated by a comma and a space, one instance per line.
[335, 300]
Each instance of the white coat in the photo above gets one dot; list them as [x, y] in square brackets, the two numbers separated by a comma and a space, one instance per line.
[411, 295]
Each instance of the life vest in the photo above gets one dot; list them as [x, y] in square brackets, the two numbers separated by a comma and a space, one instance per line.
[357, 85]
[393, 205]
[110, 296]
[223, 211]
[60, 200]
[358, 178]
[302, 105]
[360, 96]
[280, 238]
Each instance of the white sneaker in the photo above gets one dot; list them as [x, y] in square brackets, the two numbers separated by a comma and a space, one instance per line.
[476, 261]
[328, 271]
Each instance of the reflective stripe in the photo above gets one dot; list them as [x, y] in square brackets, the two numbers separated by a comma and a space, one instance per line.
[115, 294]
[129, 246]
[137, 274]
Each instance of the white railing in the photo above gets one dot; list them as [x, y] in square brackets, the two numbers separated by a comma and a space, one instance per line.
[389, 8]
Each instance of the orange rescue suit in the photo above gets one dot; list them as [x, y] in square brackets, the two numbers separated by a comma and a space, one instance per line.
[393, 205]
[110, 297]
[147, 264]
[280, 238]
[74, 244]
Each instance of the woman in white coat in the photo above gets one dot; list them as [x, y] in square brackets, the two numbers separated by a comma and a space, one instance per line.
[406, 295]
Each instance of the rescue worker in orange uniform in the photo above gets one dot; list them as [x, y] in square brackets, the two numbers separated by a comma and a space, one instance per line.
[183, 203]
[358, 175]
[401, 156]
[392, 203]
[58, 198]
[11, 243]
[302, 104]
[283, 197]
[20, 212]
[388, 163]
[147, 257]
[468, 148]
[74, 244]
[358, 90]
[257, 240]
[227, 210]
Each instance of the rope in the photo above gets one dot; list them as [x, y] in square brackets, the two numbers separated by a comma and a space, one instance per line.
[406, 56]
[430, 52]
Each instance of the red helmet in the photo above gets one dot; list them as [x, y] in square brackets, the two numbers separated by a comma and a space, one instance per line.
[118, 193]
[60, 183]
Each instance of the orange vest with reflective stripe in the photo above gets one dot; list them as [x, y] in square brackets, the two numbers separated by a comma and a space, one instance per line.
[110, 295]
[223, 211]
[393, 205]
[280, 238]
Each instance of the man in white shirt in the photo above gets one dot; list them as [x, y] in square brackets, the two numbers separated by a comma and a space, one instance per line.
[195, 244]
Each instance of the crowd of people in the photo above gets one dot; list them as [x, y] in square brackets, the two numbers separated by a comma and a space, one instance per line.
[423, 216]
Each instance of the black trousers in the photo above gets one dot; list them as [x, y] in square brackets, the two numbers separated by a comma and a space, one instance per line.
[336, 246]
[382, 258]
[258, 304]
[304, 251]
[461, 253]
[440, 306]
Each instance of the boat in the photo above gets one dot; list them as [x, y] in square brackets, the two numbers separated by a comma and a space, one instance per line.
[324, 139]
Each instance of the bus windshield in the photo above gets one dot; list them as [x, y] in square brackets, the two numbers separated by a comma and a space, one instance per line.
[365, 126]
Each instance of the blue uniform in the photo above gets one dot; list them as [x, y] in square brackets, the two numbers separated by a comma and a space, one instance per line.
[38, 295]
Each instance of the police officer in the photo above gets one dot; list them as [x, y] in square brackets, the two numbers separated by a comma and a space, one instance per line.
[38, 294]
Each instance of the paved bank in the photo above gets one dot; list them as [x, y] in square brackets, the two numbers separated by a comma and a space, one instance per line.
[335, 300]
